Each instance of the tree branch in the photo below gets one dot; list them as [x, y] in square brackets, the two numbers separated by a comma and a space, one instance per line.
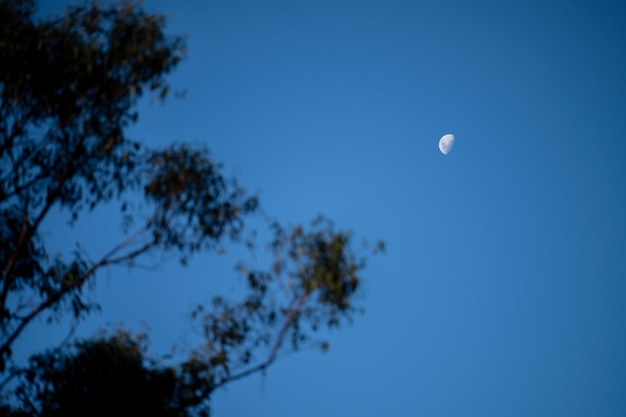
[280, 338]
[29, 231]
[106, 260]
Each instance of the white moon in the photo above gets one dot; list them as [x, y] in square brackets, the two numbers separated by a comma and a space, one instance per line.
[446, 143]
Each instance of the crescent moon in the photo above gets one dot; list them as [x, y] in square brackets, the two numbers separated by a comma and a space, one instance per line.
[446, 143]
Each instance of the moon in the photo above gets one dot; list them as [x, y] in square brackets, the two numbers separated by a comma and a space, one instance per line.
[446, 143]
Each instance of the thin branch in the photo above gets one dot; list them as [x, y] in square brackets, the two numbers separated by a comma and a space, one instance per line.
[12, 374]
[17, 126]
[18, 189]
[7, 281]
[271, 358]
[106, 260]
[29, 231]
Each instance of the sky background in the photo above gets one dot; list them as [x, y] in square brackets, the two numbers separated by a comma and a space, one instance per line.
[503, 288]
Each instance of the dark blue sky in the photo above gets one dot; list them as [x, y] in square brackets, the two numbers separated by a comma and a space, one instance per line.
[503, 289]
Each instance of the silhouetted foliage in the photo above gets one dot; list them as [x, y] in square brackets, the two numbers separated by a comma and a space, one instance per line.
[68, 89]
[111, 375]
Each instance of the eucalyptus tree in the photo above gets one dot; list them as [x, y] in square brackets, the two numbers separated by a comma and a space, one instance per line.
[69, 89]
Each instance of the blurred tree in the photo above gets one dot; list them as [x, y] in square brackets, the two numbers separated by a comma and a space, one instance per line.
[68, 89]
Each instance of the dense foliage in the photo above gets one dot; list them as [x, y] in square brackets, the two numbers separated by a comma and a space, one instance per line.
[112, 375]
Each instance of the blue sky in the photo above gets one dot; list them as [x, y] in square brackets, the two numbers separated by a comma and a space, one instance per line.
[503, 288]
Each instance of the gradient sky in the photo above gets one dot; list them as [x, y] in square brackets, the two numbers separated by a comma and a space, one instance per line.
[503, 288]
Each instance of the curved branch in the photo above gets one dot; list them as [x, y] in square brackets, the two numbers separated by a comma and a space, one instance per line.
[107, 260]
[271, 358]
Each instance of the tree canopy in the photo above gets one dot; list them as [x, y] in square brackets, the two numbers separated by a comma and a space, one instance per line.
[69, 88]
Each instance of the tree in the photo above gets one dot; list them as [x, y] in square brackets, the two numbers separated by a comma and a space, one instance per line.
[67, 98]
[65, 103]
